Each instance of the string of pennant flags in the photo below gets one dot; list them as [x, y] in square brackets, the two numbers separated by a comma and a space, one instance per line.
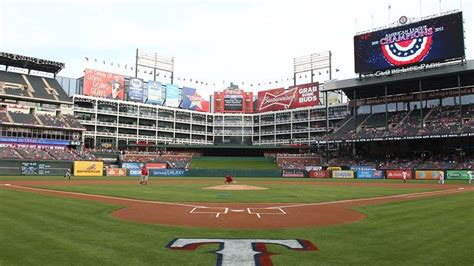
[206, 83]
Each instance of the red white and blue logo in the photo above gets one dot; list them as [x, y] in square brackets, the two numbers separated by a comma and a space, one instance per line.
[407, 47]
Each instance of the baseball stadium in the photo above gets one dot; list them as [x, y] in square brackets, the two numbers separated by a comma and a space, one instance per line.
[147, 169]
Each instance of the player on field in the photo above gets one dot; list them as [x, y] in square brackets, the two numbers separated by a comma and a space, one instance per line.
[228, 179]
[144, 176]
[441, 177]
[68, 174]
[404, 175]
[469, 173]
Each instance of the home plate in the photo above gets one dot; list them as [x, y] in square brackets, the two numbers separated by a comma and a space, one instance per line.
[237, 210]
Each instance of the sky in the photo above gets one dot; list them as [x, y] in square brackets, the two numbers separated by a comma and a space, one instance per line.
[214, 41]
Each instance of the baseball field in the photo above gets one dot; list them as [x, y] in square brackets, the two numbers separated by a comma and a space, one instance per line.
[197, 221]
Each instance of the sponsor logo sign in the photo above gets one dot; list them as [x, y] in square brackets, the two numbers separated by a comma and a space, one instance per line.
[167, 172]
[398, 174]
[135, 90]
[156, 165]
[155, 92]
[88, 168]
[116, 172]
[132, 165]
[173, 97]
[193, 101]
[233, 100]
[319, 174]
[294, 97]
[292, 173]
[103, 84]
[458, 174]
[369, 174]
[358, 167]
[430, 175]
[343, 174]
[242, 251]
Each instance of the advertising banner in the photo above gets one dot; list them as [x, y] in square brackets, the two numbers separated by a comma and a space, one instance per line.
[334, 168]
[428, 175]
[134, 172]
[312, 167]
[343, 174]
[103, 84]
[132, 165]
[135, 90]
[359, 167]
[233, 100]
[173, 97]
[292, 173]
[459, 174]
[156, 165]
[167, 172]
[427, 41]
[398, 174]
[319, 174]
[88, 168]
[193, 101]
[155, 93]
[369, 174]
[116, 172]
[294, 97]
[14, 140]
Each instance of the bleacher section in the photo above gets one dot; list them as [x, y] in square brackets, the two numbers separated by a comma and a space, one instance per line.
[297, 161]
[31, 86]
[9, 153]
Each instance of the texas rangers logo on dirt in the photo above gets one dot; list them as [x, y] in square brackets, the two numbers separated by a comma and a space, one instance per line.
[408, 46]
[242, 251]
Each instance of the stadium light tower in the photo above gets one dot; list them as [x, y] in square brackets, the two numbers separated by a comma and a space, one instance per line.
[155, 62]
[312, 62]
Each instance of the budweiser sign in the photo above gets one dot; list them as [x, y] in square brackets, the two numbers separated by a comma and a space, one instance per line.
[294, 97]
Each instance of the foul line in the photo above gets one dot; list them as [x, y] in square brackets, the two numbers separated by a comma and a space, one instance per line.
[102, 196]
[409, 195]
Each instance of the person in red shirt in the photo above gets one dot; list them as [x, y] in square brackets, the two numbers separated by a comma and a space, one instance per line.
[144, 177]
[228, 179]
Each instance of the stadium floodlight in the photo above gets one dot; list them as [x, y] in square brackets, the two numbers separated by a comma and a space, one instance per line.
[155, 62]
[312, 62]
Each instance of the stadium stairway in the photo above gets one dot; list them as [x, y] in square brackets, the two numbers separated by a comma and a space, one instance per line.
[403, 119]
[10, 119]
[30, 87]
[50, 90]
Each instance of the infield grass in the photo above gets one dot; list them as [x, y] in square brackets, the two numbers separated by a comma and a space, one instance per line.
[299, 193]
[45, 230]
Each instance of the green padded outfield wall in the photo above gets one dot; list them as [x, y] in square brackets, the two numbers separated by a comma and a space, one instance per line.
[233, 172]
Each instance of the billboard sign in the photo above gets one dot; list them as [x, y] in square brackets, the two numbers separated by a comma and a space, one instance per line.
[369, 174]
[88, 168]
[459, 174]
[155, 92]
[135, 90]
[233, 100]
[167, 172]
[173, 97]
[427, 41]
[292, 173]
[398, 174]
[104, 85]
[116, 172]
[430, 175]
[295, 97]
[319, 174]
[193, 101]
[343, 174]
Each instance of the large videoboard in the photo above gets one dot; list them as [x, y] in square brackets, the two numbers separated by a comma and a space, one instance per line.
[427, 41]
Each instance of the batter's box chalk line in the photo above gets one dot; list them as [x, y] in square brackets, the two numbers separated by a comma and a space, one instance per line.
[217, 211]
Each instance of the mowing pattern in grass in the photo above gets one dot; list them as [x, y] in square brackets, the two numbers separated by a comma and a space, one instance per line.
[42, 230]
[256, 163]
[276, 193]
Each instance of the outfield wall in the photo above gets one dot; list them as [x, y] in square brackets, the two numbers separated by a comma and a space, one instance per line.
[33, 167]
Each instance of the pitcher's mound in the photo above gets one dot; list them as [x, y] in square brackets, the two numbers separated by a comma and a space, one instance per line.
[235, 187]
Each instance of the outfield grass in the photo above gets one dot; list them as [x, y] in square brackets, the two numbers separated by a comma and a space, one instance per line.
[44, 230]
[300, 193]
[257, 163]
